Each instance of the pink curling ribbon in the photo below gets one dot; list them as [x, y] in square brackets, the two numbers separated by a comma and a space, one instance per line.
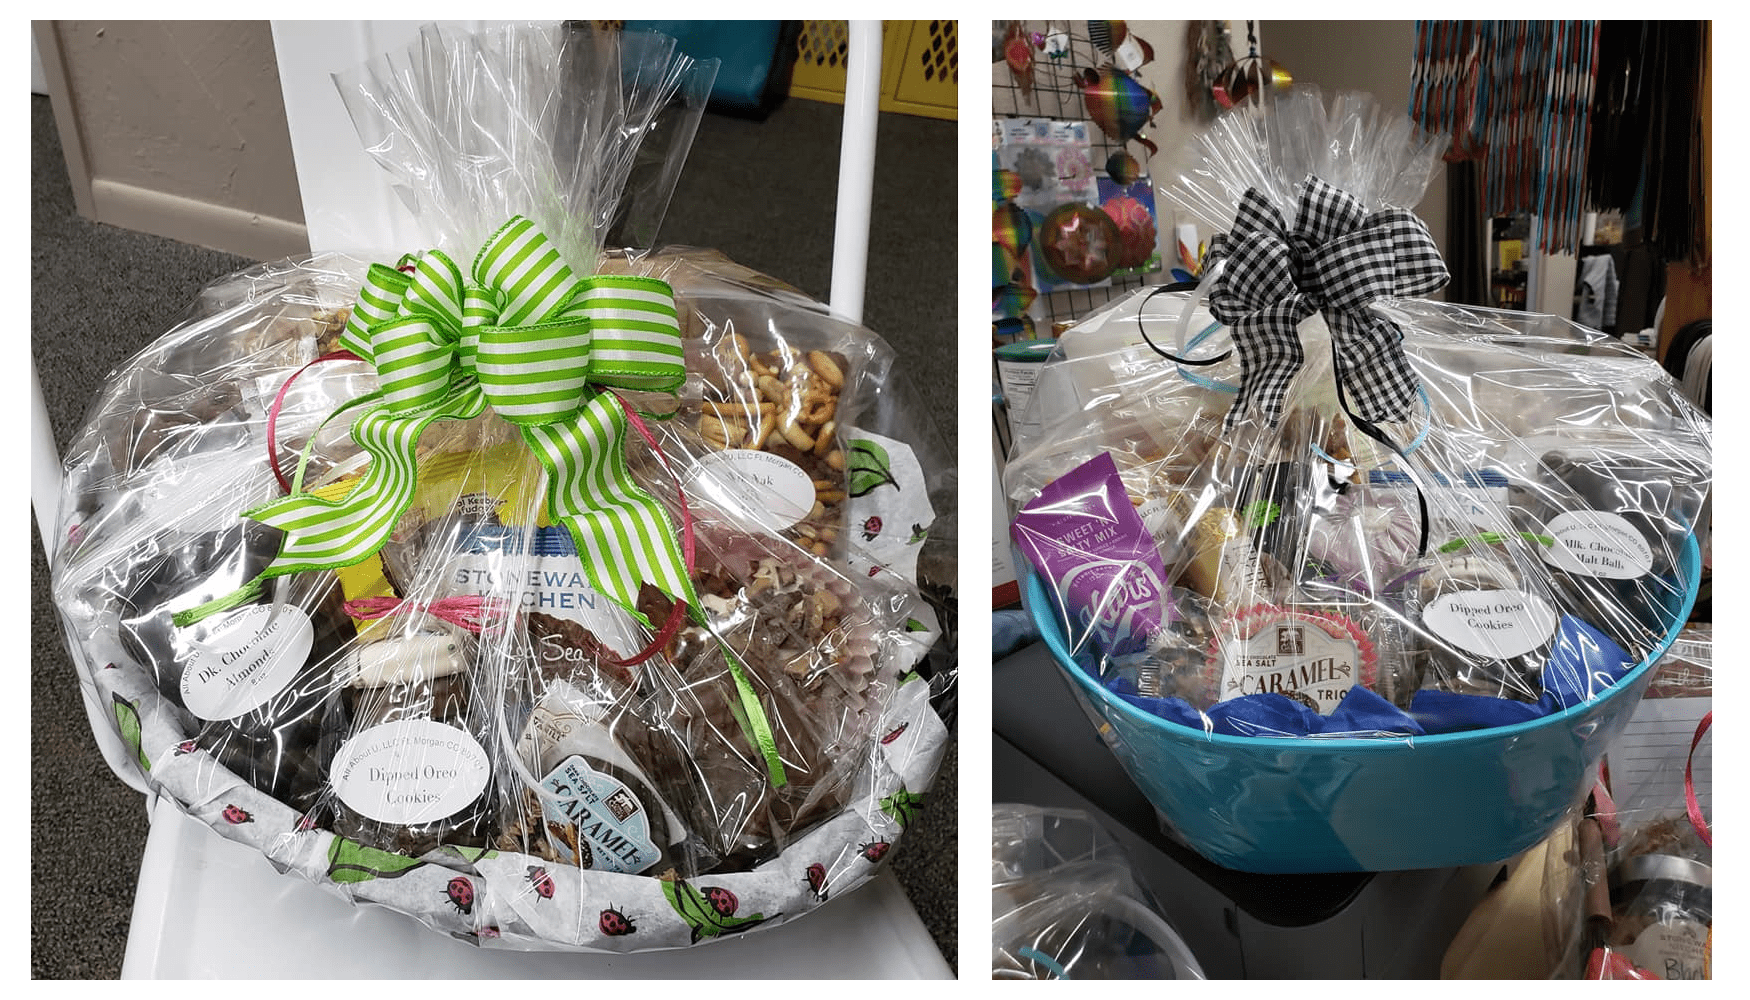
[1696, 819]
[470, 612]
[273, 413]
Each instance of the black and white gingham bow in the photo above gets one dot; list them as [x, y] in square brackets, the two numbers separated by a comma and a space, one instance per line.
[1337, 260]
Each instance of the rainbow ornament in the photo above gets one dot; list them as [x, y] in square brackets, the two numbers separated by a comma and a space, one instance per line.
[1012, 300]
[1004, 186]
[1136, 230]
[1080, 243]
[1011, 229]
[1119, 104]
[1123, 168]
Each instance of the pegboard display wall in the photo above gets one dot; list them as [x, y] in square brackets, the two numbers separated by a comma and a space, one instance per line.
[1056, 93]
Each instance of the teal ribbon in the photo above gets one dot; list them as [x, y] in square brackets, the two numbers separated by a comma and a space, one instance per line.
[541, 347]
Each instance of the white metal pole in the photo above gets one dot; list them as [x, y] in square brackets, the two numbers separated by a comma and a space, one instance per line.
[45, 468]
[850, 244]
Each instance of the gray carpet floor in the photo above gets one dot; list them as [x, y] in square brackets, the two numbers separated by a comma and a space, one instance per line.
[760, 192]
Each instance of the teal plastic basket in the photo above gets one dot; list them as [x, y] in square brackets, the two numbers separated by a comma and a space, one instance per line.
[1280, 806]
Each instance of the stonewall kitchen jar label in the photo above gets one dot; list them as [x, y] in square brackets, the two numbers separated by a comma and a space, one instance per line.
[756, 488]
[409, 772]
[1310, 657]
[1494, 623]
[248, 657]
[1597, 543]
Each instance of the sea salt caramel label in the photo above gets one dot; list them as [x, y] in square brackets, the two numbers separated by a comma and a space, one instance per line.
[1597, 543]
[1496, 623]
[612, 827]
[409, 772]
[248, 657]
[1312, 659]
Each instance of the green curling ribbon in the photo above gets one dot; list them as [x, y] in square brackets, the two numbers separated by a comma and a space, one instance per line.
[1494, 538]
[541, 347]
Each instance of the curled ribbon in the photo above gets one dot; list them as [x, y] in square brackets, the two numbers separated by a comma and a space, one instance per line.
[1338, 260]
[543, 349]
[471, 613]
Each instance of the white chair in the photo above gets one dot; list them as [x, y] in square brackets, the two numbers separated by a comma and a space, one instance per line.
[207, 907]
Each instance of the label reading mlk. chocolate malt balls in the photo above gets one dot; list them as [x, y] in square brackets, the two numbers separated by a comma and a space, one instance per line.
[1312, 658]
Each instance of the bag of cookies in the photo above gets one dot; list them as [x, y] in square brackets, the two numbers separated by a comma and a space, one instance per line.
[1300, 500]
[556, 597]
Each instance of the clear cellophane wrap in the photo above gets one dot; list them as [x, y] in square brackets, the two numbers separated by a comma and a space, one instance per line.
[460, 726]
[1508, 544]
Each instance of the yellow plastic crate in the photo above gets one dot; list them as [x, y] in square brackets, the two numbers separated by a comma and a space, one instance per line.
[920, 66]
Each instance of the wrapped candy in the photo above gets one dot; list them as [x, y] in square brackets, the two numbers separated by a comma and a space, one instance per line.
[556, 597]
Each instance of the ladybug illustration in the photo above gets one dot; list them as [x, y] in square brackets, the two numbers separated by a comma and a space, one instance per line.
[875, 851]
[874, 570]
[110, 666]
[461, 893]
[890, 737]
[721, 900]
[542, 881]
[816, 879]
[234, 815]
[186, 746]
[616, 924]
[871, 528]
[488, 932]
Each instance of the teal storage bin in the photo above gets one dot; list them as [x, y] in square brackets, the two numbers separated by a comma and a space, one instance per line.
[1281, 806]
[757, 57]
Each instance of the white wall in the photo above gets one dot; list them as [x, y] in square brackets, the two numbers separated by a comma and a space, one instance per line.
[176, 128]
[1370, 56]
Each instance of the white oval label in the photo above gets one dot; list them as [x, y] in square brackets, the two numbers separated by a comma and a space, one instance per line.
[409, 772]
[757, 489]
[247, 658]
[1597, 543]
[1495, 623]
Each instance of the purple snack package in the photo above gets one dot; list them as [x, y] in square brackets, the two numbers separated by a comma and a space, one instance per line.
[1100, 564]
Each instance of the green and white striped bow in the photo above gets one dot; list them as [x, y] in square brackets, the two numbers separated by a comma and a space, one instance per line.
[533, 341]
[541, 347]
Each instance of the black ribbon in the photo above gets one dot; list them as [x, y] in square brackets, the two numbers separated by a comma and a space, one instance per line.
[1177, 286]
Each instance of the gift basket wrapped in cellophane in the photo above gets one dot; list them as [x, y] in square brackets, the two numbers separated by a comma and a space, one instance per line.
[556, 597]
[1352, 579]
[1066, 903]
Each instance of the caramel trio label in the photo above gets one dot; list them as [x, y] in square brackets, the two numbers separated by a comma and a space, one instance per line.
[1310, 657]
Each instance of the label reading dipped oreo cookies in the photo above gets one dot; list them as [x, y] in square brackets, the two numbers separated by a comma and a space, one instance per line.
[1497, 623]
[248, 657]
[1598, 543]
[409, 772]
[758, 490]
[612, 828]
